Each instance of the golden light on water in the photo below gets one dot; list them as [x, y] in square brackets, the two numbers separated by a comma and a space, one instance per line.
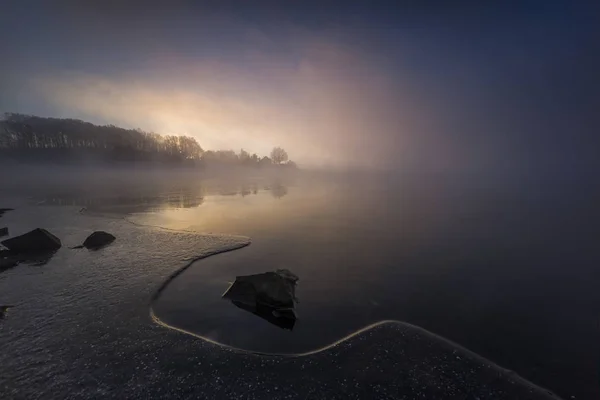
[265, 206]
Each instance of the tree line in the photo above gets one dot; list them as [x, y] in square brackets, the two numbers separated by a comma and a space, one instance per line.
[41, 138]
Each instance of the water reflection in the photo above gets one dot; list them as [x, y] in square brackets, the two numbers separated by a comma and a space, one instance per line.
[245, 191]
[9, 259]
[226, 192]
[278, 190]
[139, 201]
[184, 200]
[267, 313]
[125, 204]
[269, 295]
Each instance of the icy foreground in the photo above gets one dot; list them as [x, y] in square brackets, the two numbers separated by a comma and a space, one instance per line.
[81, 328]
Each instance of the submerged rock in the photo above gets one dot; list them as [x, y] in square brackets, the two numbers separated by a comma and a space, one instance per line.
[3, 310]
[97, 240]
[37, 241]
[3, 210]
[8, 260]
[270, 295]
[3, 232]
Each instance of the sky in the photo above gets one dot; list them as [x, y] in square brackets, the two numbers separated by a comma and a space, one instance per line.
[377, 84]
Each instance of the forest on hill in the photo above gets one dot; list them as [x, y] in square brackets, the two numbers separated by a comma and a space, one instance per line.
[42, 139]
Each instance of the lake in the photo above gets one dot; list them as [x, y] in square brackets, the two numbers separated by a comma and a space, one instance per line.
[506, 268]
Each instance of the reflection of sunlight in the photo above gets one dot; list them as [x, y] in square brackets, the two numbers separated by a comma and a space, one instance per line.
[278, 190]
[183, 200]
[219, 213]
[237, 214]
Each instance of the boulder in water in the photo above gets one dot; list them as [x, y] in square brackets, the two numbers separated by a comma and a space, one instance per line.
[37, 241]
[97, 240]
[270, 295]
[3, 232]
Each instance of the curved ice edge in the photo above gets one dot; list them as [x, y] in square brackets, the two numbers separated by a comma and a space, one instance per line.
[358, 332]
[246, 242]
[423, 331]
[177, 272]
[223, 346]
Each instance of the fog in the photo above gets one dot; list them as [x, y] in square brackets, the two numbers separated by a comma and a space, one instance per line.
[475, 88]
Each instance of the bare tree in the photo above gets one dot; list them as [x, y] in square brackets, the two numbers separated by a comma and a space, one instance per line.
[279, 155]
[244, 156]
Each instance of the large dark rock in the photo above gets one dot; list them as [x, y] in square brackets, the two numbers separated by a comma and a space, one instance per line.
[270, 295]
[3, 232]
[97, 239]
[37, 241]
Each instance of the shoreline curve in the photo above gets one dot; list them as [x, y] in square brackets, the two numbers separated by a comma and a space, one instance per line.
[423, 331]
[358, 332]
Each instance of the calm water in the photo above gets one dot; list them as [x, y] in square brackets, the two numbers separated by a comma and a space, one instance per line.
[507, 269]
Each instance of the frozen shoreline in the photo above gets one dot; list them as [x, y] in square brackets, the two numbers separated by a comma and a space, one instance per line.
[81, 329]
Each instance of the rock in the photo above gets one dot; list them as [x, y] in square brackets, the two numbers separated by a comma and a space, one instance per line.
[37, 241]
[270, 295]
[3, 232]
[97, 240]
[3, 310]
[3, 210]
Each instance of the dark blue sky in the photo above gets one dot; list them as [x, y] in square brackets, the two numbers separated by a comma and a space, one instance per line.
[334, 81]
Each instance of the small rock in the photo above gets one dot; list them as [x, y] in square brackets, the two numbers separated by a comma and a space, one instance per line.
[3, 310]
[3, 232]
[3, 210]
[97, 240]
